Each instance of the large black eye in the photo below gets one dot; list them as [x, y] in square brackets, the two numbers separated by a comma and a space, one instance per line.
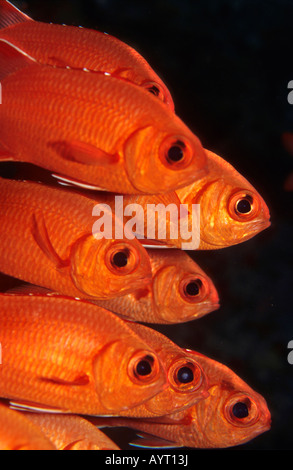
[193, 287]
[240, 410]
[185, 375]
[176, 152]
[244, 206]
[144, 366]
[120, 259]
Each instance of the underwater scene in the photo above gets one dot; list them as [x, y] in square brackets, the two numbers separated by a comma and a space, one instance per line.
[146, 262]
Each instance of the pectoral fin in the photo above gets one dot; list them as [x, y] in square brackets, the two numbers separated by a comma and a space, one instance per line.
[41, 236]
[84, 153]
[79, 381]
[32, 406]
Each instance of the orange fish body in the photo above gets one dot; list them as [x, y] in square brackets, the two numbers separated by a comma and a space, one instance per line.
[158, 215]
[71, 432]
[73, 357]
[218, 195]
[19, 433]
[179, 292]
[93, 129]
[47, 239]
[75, 47]
[231, 210]
[231, 415]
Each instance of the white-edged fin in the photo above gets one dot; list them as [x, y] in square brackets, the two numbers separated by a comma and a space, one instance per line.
[151, 243]
[12, 59]
[73, 182]
[10, 15]
[32, 407]
[151, 442]
[157, 246]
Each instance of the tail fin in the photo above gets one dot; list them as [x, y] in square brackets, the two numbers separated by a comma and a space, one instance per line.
[10, 15]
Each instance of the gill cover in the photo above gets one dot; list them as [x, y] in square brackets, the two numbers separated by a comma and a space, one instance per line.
[126, 376]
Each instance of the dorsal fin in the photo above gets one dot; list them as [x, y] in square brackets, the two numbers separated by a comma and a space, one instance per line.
[10, 15]
[12, 59]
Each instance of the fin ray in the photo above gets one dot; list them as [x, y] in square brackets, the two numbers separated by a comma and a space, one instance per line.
[10, 15]
[41, 237]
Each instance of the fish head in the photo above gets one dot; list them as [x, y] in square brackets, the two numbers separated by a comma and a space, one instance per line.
[187, 384]
[229, 417]
[158, 161]
[232, 414]
[181, 295]
[127, 373]
[107, 268]
[229, 213]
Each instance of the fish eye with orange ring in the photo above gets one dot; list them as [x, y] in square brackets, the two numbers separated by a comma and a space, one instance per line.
[241, 410]
[193, 289]
[143, 367]
[121, 260]
[176, 152]
[243, 206]
[185, 375]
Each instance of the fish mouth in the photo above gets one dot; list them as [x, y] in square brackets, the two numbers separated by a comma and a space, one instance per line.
[209, 307]
[260, 227]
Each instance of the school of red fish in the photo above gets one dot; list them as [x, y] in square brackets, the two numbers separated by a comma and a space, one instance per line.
[88, 110]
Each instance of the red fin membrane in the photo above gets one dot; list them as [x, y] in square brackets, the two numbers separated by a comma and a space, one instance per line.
[12, 59]
[33, 407]
[78, 381]
[10, 15]
[40, 234]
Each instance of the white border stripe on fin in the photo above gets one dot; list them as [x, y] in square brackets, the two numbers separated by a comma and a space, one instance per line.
[76, 183]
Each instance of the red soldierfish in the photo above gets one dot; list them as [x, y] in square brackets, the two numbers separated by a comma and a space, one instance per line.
[17, 432]
[71, 432]
[75, 47]
[93, 129]
[187, 381]
[232, 414]
[47, 239]
[231, 210]
[179, 292]
[73, 356]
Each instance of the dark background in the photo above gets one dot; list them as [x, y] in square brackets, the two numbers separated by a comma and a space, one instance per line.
[227, 64]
